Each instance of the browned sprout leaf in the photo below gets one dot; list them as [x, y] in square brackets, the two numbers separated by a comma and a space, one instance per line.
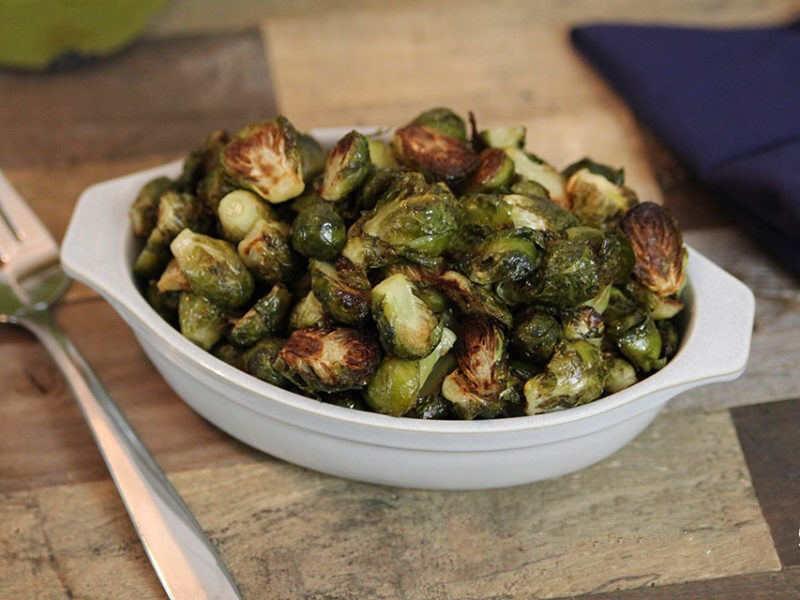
[658, 245]
[435, 154]
[481, 353]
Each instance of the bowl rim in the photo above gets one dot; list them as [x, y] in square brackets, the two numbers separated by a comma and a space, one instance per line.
[109, 273]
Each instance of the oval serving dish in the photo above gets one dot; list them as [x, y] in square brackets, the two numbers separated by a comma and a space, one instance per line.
[99, 249]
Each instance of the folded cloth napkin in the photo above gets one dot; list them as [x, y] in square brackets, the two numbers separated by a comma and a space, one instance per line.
[727, 102]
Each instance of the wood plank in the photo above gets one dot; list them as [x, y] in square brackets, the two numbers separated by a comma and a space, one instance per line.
[770, 439]
[676, 505]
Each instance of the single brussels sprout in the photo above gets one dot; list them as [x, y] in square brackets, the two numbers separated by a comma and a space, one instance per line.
[164, 303]
[408, 328]
[538, 213]
[213, 269]
[484, 213]
[568, 275]
[466, 402]
[380, 154]
[201, 321]
[508, 255]
[173, 279]
[343, 290]
[265, 158]
[615, 176]
[387, 184]
[530, 167]
[575, 375]
[641, 345]
[312, 156]
[472, 299]
[319, 232]
[347, 166]
[213, 187]
[437, 155]
[596, 201]
[332, 360]
[416, 227]
[144, 210]
[535, 336]
[308, 313]
[395, 387]
[444, 121]
[494, 171]
[583, 323]
[431, 407]
[238, 211]
[670, 340]
[526, 187]
[229, 353]
[658, 307]
[260, 361]
[621, 375]
[504, 137]
[202, 160]
[267, 252]
[658, 245]
[622, 313]
[266, 317]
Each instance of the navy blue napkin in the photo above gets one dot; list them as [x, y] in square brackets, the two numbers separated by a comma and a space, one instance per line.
[727, 102]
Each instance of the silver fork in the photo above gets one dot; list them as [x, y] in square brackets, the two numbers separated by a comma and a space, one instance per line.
[31, 280]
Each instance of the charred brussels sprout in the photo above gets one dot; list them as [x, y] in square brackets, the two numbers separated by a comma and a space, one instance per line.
[658, 246]
[568, 275]
[312, 156]
[598, 202]
[395, 387]
[535, 336]
[309, 313]
[260, 360]
[641, 345]
[265, 158]
[201, 321]
[238, 211]
[535, 169]
[575, 375]
[615, 176]
[319, 360]
[144, 210]
[472, 299]
[437, 155]
[213, 269]
[538, 213]
[408, 328]
[266, 317]
[510, 255]
[445, 121]
[583, 323]
[319, 232]
[504, 137]
[621, 375]
[343, 290]
[347, 166]
[267, 252]
[380, 154]
[494, 171]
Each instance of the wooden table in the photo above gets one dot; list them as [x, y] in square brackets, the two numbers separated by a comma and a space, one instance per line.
[704, 504]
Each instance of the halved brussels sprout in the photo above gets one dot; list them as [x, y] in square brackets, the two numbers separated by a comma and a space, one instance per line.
[343, 290]
[568, 275]
[201, 321]
[395, 387]
[535, 169]
[445, 121]
[504, 137]
[641, 345]
[312, 156]
[538, 213]
[436, 154]
[260, 360]
[380, 154]
[319, 360]
[267, 252]
[238, 211]
[658, 245]
[536, 335]
[144, 210]
[266, 317]
[265, 158]
[583, 323]
[472, 299]
[481, 354]
[347, 166]
[319, 232]
[508, 255]
[495, 170]
[213, 268]
[598, 202]
[575, 375]
[308, 313]
[408, 328]
[621, 375]
[615, 176]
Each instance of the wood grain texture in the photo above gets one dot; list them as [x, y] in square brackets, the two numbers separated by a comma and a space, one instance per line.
[675, 505]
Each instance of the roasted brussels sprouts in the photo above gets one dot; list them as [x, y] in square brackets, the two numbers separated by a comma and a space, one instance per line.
[472, 299]
[509, 255]
[380, 154]
[504, 137]
[583, 323]
[266, 250]
[265, 158]
[332, 360]
[144, 210]
[319, 232]
[312, 156]
[615, 176]
[308, 313]
[538, 213]
[484, 213]
[347, 166]
[238, 211]
[213, 269]
[444, 121]
[531, 167]
[575, 375]
[260, 360]
[395, 387]
[494, 171]
[201, 321]
[658, 245]
[568, 275]
[621, 375]
[535, 336]
[408, 328]
[343, 290]
[266, 317]
[641, 344]
[596, 201]
[437, 155]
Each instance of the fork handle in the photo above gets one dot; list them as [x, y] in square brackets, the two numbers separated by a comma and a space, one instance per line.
[183, 557]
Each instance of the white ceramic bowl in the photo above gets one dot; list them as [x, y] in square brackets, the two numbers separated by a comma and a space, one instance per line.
[99, 249]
